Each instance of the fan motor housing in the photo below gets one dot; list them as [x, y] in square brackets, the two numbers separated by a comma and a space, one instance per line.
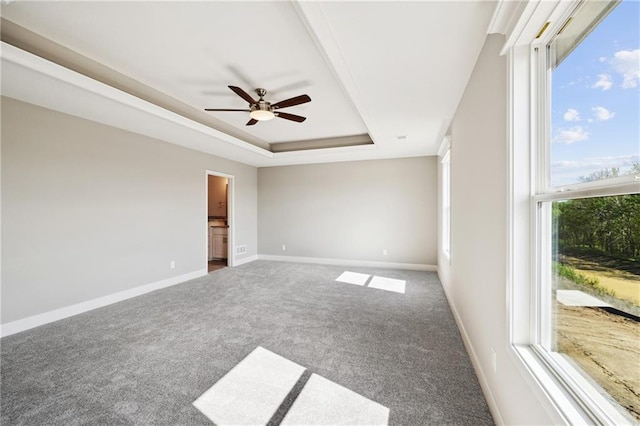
[261, 106]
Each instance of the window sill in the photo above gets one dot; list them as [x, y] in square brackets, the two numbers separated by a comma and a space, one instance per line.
[573, 399]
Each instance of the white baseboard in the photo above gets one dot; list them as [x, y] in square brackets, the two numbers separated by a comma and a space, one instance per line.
[349, 262]
[68, 311]
[238, 262]
[491, 402]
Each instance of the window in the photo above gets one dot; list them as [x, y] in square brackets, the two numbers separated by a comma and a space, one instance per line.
[587, 208]
[446, 201]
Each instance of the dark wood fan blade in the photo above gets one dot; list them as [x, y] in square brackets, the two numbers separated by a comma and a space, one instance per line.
[302, 99]
[214, 109]
[244, 95]
[291, 117]
[251, 122]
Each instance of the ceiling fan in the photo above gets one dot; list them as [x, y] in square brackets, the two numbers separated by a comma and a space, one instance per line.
[262, 110]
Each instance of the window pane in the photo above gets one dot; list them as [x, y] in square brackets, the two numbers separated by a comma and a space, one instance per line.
[446, 197]
[596, 292]
[595, 99]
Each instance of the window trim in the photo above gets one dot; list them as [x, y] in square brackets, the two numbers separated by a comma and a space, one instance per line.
[445, 164]
[597, 406]
[568, 395]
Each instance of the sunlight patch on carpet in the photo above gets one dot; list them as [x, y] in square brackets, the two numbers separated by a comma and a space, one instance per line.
[353, 278]
[388, 284]
[252, 391]
[323, 402]
[255, 389]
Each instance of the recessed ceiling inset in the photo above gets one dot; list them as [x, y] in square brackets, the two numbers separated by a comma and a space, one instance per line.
[177, 55]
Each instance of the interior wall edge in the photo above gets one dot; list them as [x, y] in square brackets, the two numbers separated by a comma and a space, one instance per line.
[349, 262]
[242, 261]
[477, 279]
[375, 210]
[475, 361]
[33, 321]
[89, 210]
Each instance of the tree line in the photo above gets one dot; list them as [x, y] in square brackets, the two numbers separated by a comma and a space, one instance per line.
[605, 224]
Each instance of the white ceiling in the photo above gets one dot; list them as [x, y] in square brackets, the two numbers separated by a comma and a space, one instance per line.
[390, 69]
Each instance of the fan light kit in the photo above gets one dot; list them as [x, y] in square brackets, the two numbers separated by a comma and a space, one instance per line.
[262, 114]
[262, 110]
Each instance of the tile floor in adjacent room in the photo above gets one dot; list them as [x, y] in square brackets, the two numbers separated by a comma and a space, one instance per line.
[214, 265]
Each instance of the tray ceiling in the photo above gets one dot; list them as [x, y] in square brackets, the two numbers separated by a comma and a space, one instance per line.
[391, 73]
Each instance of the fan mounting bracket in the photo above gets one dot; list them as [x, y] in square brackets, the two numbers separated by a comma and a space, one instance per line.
[261, 92]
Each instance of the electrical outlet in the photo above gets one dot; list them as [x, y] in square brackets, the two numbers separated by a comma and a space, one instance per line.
[172, 264]
[384, 252]
[494, 362]
[284, 247]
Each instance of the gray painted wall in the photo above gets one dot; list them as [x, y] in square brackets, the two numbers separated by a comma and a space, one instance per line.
[89, 210]
[475, 280]
[350, 210]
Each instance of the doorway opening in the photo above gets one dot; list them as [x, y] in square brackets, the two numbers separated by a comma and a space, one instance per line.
[219, 220]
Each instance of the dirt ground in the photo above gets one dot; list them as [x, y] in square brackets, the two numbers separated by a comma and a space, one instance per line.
[607, 347]
[625, 284]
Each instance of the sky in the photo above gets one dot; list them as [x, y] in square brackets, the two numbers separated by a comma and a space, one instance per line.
[596, 100]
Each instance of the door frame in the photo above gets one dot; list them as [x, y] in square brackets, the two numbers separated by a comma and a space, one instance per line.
[231, 257]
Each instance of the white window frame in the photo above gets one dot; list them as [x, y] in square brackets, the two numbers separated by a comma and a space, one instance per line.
[445, 187]
[573, 399]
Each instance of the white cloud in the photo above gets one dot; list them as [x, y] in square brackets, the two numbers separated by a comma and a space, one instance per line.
[604, 82]
[567, 172]
[572, 115]
[577, 81]
[627, 64]
[569, 136]
[622, 161]
[602, 114]
[602, 58]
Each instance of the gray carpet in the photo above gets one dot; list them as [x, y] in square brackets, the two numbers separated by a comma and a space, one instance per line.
[145, 360]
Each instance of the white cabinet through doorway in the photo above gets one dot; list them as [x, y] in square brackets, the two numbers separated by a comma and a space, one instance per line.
[217, 242]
